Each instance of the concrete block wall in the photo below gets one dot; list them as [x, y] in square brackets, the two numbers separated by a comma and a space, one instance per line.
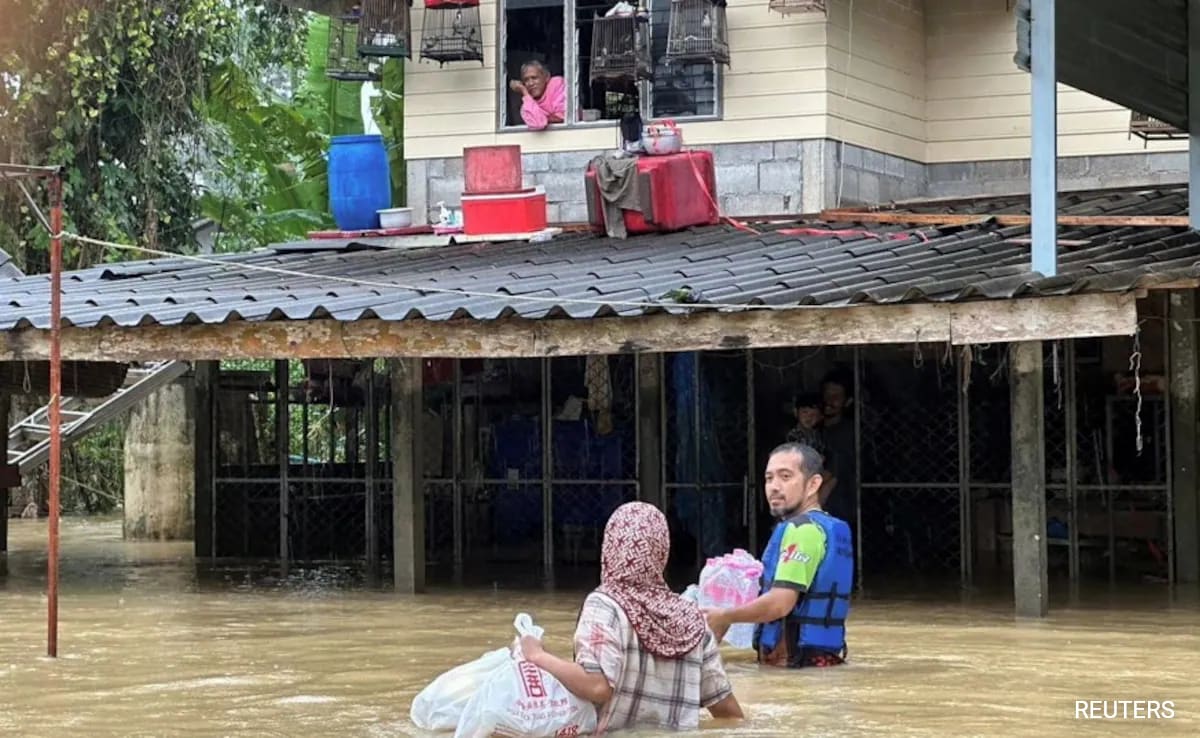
[781, 177]
[964, 179]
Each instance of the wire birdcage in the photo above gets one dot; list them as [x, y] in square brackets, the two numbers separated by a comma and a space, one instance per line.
[621, 49]
[698, 32]
[788, 7]
[342, 61]
[386, 28]
[451, 31]
[1146, 128]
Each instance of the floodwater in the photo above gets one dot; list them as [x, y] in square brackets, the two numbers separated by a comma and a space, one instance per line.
[150, 648]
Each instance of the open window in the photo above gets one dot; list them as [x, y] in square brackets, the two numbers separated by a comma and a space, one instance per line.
[559, 33]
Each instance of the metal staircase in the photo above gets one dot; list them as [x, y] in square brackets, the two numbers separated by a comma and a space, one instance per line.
[29, 440]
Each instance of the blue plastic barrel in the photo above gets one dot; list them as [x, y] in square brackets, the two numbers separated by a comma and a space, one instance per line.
[359, 181]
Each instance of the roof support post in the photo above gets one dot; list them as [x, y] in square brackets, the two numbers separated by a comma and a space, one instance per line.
[1194, 113]
[1043, 170]
[1030, 574]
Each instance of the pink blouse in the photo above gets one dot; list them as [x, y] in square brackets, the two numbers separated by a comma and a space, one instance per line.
[536, 113]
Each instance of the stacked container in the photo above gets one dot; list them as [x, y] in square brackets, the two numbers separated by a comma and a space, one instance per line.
[495, 200]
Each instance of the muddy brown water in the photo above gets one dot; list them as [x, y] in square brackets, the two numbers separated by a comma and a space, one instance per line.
[150, 646]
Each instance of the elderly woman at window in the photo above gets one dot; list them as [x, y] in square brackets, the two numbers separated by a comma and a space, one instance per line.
[543, 98]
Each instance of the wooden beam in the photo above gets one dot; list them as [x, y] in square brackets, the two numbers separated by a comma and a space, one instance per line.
[1184, 361]
[408, 493]
[984, 321]
[1030, 571]
[958, 219]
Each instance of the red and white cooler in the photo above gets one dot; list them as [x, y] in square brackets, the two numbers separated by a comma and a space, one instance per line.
[507, 213]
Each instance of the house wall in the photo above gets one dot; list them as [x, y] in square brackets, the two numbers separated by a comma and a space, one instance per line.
[978, 114]
[882, 100]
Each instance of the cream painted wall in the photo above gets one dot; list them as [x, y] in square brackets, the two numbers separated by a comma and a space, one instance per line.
[877, 75]
[927, 80]
[978, 100]
[775, 89]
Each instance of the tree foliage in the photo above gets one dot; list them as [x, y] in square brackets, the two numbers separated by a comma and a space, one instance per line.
[116, 92]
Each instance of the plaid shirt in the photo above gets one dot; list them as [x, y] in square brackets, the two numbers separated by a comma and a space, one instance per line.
[647, 690]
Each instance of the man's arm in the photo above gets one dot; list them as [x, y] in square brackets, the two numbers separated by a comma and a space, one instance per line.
[800, 553]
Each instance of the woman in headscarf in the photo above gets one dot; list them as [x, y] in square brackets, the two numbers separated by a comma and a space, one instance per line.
[643, 655]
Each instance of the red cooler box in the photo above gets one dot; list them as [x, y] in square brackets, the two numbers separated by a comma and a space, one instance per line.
[508, 213]
[676, 191]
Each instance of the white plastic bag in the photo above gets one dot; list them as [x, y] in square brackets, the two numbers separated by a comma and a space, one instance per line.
[440, 705]
[519, 700]
[730, 581]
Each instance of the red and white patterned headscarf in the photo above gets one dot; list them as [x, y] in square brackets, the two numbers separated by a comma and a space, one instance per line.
[636, 545]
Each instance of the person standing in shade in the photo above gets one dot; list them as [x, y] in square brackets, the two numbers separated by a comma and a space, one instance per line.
[839, 435]
[808, 571]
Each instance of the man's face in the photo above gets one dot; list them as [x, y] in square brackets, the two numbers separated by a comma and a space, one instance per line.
[808, 417]
[834, 396]
[535, 79]
[787, 486]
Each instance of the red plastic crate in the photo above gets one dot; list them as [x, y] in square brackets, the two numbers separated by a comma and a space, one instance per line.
[492, 170]
[677, 191]
[513, 212]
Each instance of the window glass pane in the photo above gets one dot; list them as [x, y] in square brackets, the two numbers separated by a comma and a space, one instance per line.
[680, 90]
[533, 31]
[604, 100]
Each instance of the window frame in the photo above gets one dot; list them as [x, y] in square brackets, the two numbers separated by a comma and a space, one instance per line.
[571, 78]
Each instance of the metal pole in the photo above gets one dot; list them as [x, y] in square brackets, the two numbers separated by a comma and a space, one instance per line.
[547, 475]
[1193, 12]
[371, 499]
[56, 225]
[697, 447]
[1072, 433]
[457, 461]
[858, 401]
[751, 508]
[282, 450]
[1167, 426]
[1044, 163]
[965, 517]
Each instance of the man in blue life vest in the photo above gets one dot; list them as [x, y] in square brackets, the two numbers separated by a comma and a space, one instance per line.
[808, 571]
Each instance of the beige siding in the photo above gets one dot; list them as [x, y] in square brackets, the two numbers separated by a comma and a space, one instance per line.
[978, 100]
[776, 89]
[877, 75]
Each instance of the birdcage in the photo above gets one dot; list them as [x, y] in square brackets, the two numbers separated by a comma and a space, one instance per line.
[451, 31]
[788, 7]
[698, 32]
[621, 48]
[1147, 128]
[342, 61]
[385, 28]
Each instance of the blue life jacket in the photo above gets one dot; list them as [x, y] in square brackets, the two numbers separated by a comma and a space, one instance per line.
[821, 612]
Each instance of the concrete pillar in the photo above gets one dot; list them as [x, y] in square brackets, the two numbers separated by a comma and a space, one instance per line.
[408, 490]
[649, 445]
[160, 471]
[1030, 574]
[1185, 457]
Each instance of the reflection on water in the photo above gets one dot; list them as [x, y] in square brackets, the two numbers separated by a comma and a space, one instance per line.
[150, 648]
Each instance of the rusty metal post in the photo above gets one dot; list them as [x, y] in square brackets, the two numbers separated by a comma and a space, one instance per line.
[56, 224]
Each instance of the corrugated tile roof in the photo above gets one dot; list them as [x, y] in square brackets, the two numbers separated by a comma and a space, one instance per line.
[583, 275]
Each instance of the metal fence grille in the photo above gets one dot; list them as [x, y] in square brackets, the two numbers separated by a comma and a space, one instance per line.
[910, 462]
[707, 443]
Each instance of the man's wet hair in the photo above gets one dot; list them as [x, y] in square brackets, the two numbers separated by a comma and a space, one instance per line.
[811, 461]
